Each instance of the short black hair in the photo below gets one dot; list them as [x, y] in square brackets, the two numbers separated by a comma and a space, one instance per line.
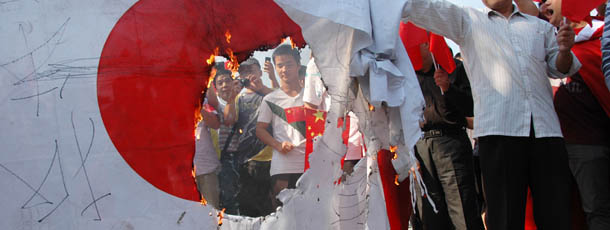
[220, 70]
[287, 50]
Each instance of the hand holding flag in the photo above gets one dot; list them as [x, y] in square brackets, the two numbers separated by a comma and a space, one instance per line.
[413, 36]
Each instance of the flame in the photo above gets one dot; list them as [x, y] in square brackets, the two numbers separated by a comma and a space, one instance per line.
[241, 131]
[396, 180]
[393, 149]
[228, 36]
[371, 107]
[233, 64]
[212, 57]
[193, 171]
[198, 118]
[221, 215]
[292, 44]
[203, 201]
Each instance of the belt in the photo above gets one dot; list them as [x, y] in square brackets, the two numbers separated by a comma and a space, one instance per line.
[441, 132]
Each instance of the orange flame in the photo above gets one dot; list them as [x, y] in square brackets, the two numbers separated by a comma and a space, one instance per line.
[241, 131]
[396, 180]
[203, 201]
[198, 118]
[393, 149]
[371, 107]
[193, 171]
[221, 215]
[228, 36]
[233, 64]
[212, 57]
[292, 44]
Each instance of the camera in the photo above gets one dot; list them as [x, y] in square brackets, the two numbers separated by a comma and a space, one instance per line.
[244, 82]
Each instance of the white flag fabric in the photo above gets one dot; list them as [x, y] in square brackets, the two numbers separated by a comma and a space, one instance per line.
[360, 39]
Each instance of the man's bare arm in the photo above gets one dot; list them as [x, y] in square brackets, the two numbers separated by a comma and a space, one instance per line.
[210, 119]
[265, 137]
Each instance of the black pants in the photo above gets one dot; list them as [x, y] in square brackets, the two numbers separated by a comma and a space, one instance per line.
[590, 165]
[509, 165]
[228, 181]
[446, 168]
[255, 193]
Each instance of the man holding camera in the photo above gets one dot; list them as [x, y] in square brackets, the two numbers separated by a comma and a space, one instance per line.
[254, 156]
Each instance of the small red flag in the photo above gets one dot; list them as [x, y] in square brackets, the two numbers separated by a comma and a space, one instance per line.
[314, 123]
[413, 36]
[442, 53]
[577, 10]
[294, 114]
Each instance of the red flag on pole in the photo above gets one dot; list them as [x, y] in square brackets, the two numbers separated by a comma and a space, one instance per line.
[577, 10]
[413, 36]
[442, 53]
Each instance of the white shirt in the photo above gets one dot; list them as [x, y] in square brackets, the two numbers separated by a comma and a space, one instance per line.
[507, 62]
[313, 89]
[205, 159]
[293, 161]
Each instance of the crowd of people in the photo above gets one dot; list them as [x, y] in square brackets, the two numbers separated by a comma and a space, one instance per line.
[529, 137]
[251, 138]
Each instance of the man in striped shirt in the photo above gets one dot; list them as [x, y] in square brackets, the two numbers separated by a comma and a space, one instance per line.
[508, 56]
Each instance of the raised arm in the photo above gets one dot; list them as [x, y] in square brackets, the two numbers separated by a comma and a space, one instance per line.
[561, 62]
[210, 117]
[268, 68]
[438, 16]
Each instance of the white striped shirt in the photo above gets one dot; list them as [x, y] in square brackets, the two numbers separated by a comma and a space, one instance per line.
[606, 46]
[507, 62]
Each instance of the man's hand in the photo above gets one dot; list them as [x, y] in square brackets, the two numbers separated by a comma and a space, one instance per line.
[268, 68]
[285, 147]
[565, 37]
[441, 78]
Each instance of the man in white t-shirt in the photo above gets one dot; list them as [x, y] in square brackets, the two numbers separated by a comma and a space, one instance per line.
[283, 109]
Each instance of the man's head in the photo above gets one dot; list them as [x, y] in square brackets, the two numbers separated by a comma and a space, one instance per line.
[551, 9]
[287, 64]
[223, 80]
[251, 70]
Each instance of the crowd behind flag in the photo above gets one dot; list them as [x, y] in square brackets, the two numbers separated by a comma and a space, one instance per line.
[310, 121]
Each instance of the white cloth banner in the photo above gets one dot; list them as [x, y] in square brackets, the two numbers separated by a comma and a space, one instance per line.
[365, 34]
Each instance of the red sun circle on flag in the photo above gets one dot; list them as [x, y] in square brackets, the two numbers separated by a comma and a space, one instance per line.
[153, 69]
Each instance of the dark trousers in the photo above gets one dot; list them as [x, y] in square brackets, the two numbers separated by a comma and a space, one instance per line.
[590, 165]
[280, 182]
[446, 167]
[509, 165]
[255, 193]
[228, 181]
